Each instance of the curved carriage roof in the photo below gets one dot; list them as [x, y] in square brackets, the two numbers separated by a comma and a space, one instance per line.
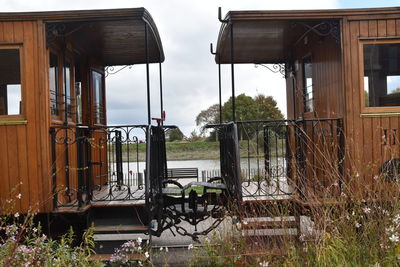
[265, 36]
[117, 36]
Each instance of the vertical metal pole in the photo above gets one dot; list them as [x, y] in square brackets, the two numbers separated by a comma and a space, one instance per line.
[147, 75]
[54, 168]
[233, 78]
[219, 90]
[161, 95]
[66, 121]
[65, 85]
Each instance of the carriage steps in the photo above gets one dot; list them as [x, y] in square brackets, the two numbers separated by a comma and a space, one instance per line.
[270, 232]
[113, 226]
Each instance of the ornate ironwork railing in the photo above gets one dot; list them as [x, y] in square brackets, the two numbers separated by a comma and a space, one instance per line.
[283, 157]
[99, 163]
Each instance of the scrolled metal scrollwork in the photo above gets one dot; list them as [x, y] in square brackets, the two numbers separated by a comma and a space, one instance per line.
[274, 68]
[110, 70]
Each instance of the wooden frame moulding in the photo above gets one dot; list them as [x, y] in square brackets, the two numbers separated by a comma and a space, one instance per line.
[19, 118]
[100, 70]
[392, 111]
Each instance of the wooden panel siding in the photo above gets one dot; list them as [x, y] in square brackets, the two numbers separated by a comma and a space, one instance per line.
[23, 147]
[367, 145]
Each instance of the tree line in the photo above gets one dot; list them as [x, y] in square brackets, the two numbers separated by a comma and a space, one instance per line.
[248, 108]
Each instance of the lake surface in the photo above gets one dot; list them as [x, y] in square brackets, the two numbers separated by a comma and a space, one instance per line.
[202, 165]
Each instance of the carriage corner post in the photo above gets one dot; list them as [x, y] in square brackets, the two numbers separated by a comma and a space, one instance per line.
[342, 117]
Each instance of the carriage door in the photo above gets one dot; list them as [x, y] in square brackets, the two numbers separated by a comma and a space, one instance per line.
[277, 156]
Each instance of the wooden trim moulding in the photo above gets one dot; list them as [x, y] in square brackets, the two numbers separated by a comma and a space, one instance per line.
[10, 122]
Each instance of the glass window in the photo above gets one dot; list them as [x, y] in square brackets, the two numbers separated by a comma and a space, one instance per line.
[10, 82]
[98, 97]
[382, 74]
[78, 97]
[308, 85]
[68, 96]
[54, 89]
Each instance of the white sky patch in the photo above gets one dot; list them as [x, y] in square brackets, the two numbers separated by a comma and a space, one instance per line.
[190, 73]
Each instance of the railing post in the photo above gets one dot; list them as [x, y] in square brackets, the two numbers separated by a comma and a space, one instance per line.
[89, 176]
[118, 157]
[79, 135]
[341, 151]
[54, 168]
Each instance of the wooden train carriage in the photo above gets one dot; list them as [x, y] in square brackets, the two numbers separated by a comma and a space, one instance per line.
[52, 93]
[342, 67]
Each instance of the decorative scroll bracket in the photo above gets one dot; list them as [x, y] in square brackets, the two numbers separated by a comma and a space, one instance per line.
[323, 29]
[110, 70]
[276, 68]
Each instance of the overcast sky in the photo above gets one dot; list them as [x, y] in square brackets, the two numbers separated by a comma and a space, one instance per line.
[189, 72]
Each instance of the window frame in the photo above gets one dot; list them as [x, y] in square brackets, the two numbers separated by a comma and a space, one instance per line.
[390, 110]
[17, 118]
[93, 108]
[62, 105]
[60, 88]
[304, 82]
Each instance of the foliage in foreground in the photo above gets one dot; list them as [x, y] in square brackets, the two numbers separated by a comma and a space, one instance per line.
[358, 231]
[22, 243]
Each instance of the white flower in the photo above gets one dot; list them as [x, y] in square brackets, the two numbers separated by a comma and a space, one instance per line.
[190, 247]
[264, 264]
[367, 210]
[16, 215]
[358, 225]
[245, 222]
[34, 229]
[19, 196]
[166, 249]
[394, 238]
[147, 254]
[139, 240]
[161, 248]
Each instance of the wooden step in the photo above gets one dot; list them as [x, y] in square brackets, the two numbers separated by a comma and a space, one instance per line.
[107, 257]
[270, 232]
[120, 228]
[116, 237]
[269, 223]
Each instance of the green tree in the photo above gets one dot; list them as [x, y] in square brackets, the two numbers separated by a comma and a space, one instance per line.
[208, 116]
[260, 107]
[267, 108]
[175, 135]
[246, 108]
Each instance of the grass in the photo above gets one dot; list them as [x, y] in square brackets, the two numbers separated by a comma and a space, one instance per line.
[196, 150]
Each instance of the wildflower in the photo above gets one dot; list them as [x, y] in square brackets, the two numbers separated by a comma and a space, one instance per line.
[190, 247]
[139, 240]
[302, 238]
[147, 254]
[245, 222]
[394, 238]
[34, 229]
[264, 264]
[19, 196]
[358, 225]
[16, 215]
[367, 210]
[376, 177]
[383, 246]
[166, 249]
[161, 248]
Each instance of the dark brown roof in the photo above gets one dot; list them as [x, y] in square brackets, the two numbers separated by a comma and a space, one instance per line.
[116, 35]
[265, 36]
